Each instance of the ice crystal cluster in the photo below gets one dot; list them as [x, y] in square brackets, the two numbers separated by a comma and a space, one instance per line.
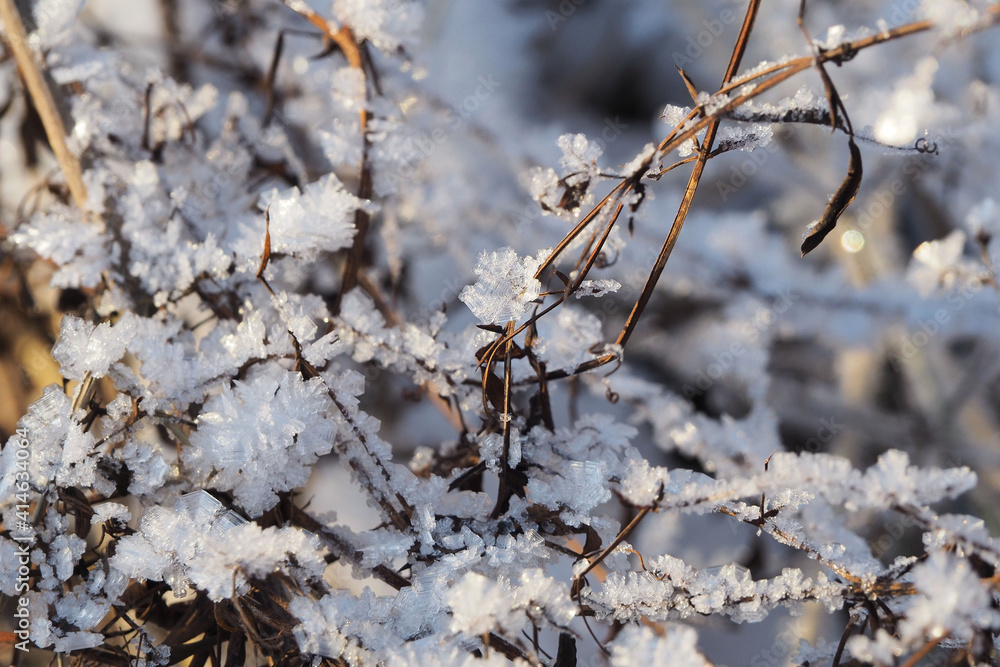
[302, 371]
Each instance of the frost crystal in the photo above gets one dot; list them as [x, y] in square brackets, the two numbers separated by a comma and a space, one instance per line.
[567, 342]
[597, 287]
[505, 287]
[479, 605]
[955, 600]
[202, 543]
[677, 647]
[262, 436]
[80, 250]
[579, 488]
[674, 117]
[579, 155]
[83, 348]
[319, 218]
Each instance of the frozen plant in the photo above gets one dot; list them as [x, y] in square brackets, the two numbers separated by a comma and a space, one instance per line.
[301, 369]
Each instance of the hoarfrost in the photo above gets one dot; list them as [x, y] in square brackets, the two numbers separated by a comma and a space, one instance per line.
[261, 437]
[319, 218]
[479, 606]
[597, 288]
[201, 543]
[204, 379]
[80, 250]
[83, 349]
[567, 342]
[676, 647]
[505, 287]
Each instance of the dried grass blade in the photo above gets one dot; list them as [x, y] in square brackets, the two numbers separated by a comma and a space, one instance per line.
[265, 256]
[41, 96]
[354, 53]
[693, 181]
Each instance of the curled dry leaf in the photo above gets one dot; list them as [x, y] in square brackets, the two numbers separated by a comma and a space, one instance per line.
[841, 199]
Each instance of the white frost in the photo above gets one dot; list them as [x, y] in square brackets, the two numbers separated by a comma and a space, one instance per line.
[261, 437]
[83, 348]
[505, 287]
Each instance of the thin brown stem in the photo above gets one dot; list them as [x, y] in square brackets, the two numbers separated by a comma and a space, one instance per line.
[354, 52]
[692, 186]
[505, 491]
[625, 532]
[569, 238]
[924, 650]
[45, 103]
